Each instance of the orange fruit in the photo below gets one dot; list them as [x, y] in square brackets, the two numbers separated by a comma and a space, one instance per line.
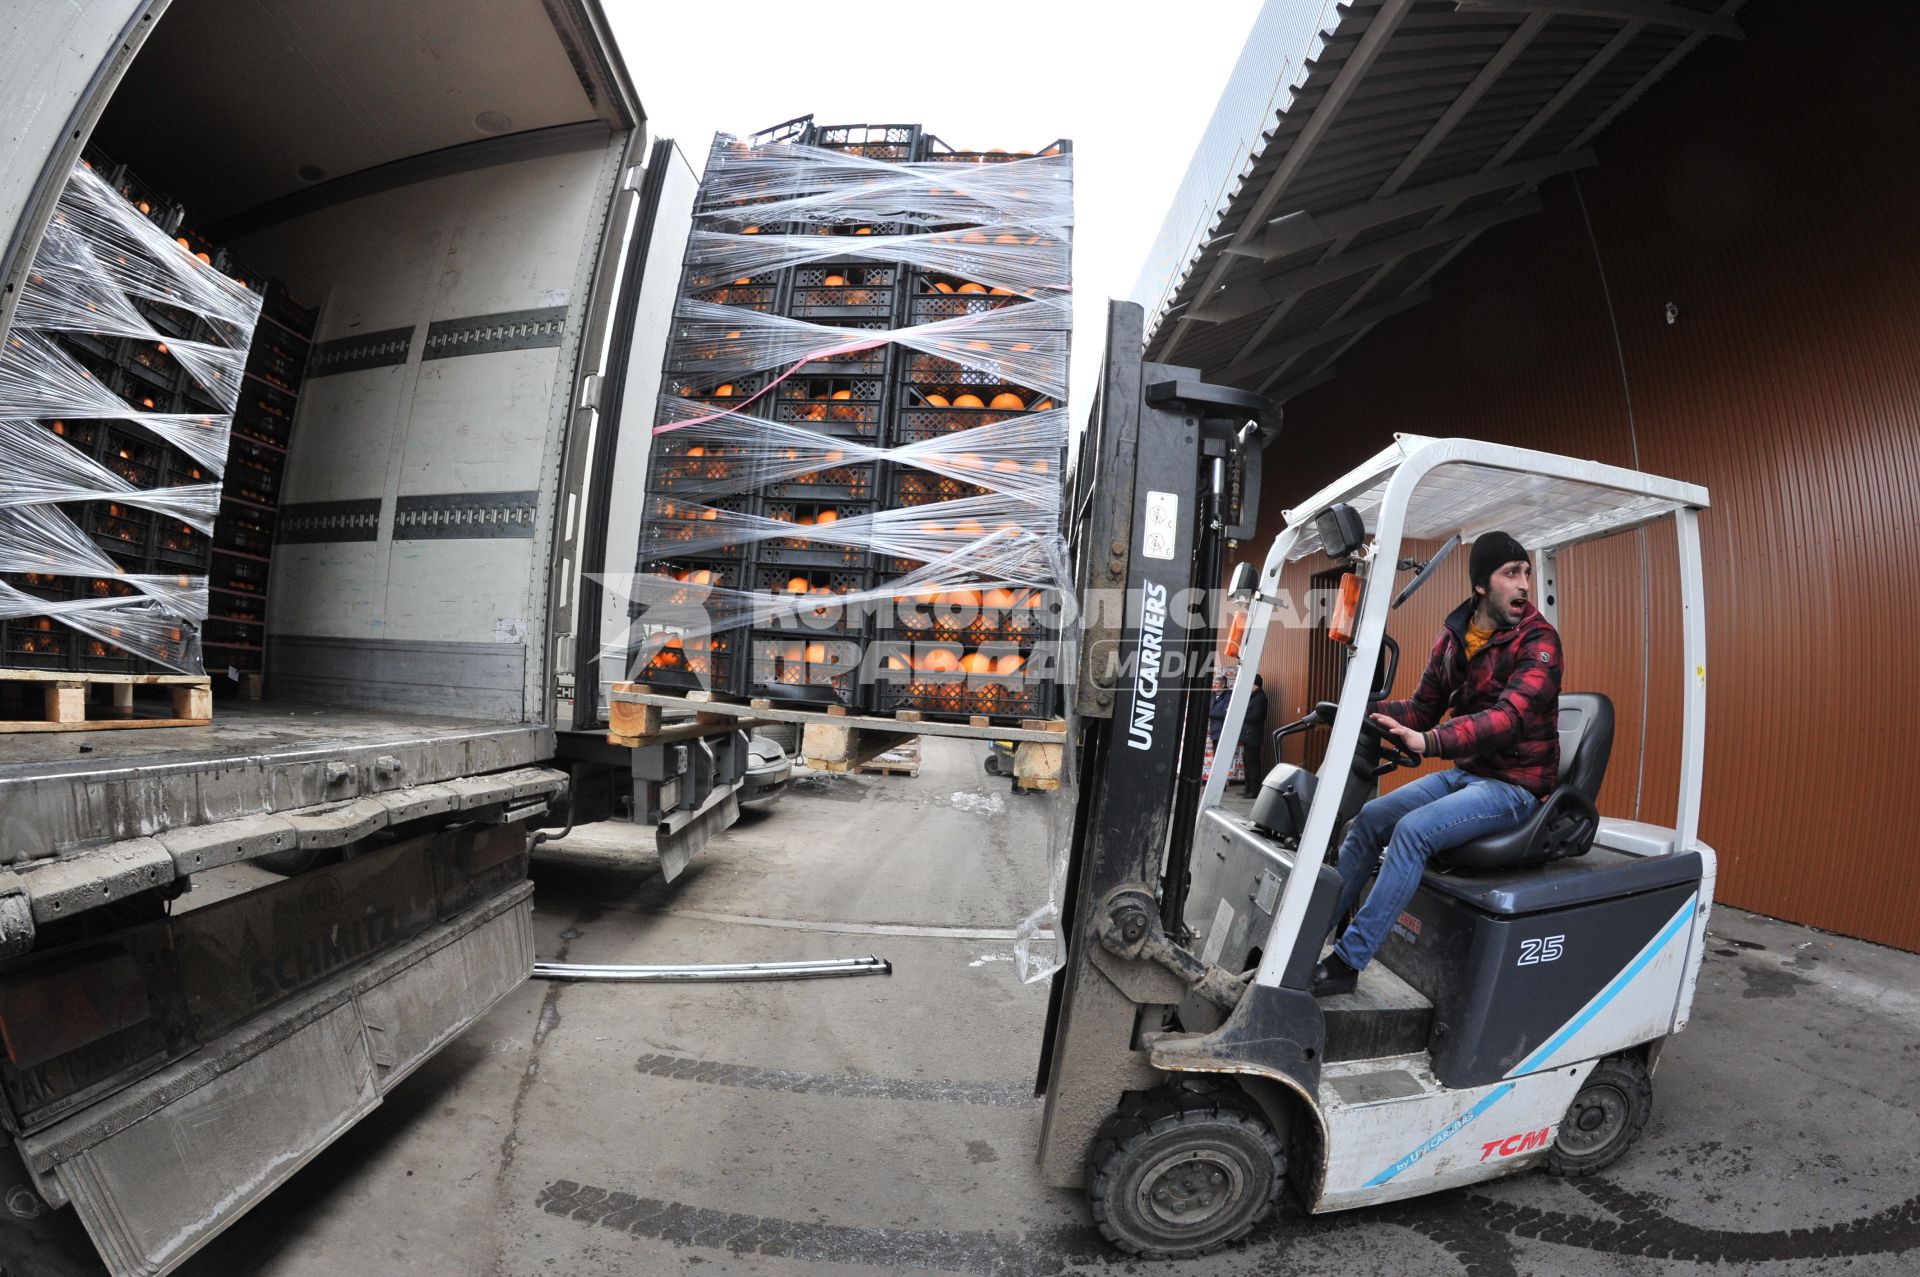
[702, 577]
[1040, 466]
[933, 529]
[797, 585]
[834, 281]
[979, 345]
[750, 230]
[825, 517]
[843, 394]
[863, 230]
[999, 292]
[972, 289]
[972, 529]
[836, 455]
[967, 401]
[940, 661]
[1006, 239]
[816, 653]
[794, 652]
[969, 461]
[896, 663]
[939, 287]
[744, 279]
[1043, 405]
[973, 237]
[1007, 465]
[723, 391]
[709, 514]
[938, 401]
[962, 598]
[976, 663]
[1009, 664]
[673, 641]
[998, 597]
[805, 520]
[732, 335]
[1006, 401]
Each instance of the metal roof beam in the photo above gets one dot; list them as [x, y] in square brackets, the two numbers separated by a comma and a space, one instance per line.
[1273, 357]
[1257, 294]
[1297, 231]
[1647, 81]
[1372, 41]
[1647, 12]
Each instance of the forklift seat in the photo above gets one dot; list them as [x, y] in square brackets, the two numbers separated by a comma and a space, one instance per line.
[1566, 820]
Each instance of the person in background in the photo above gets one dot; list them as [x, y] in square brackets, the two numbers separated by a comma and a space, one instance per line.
[1217, 708]
[1253, 734]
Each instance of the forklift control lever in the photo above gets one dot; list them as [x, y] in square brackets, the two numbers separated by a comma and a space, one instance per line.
[1130, 928]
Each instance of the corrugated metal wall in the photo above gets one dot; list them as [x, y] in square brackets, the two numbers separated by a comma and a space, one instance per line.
[1763, 191]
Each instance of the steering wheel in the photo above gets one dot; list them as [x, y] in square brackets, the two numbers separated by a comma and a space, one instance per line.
[1392, 753]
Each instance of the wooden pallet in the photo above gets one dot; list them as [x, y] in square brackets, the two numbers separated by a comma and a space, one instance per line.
[835, 738]
[902, 760]
[67, 703]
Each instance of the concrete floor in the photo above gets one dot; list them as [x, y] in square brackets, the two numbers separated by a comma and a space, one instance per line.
[885, 1124]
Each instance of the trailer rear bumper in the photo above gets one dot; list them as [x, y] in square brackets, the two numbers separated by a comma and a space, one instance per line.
[162, 1167]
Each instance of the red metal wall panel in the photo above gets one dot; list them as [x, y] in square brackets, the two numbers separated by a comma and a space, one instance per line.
[1767, 190]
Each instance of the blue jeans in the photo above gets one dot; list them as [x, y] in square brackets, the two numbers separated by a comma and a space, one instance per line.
[1432, 814]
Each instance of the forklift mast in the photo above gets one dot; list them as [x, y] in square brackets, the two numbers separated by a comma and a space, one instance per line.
[1167, 474]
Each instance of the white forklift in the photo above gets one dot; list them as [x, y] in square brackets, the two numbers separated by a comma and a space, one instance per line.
[1513, 1017]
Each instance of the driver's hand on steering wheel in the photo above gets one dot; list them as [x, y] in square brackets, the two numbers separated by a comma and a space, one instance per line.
[1413, 742]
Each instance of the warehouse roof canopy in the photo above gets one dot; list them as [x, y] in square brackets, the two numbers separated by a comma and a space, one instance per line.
[1410, 128]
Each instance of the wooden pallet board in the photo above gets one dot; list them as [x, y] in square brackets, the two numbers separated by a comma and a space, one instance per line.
[629, 698]
[67, 706]
[902, 760]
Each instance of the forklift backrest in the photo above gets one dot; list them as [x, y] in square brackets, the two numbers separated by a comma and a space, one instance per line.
[1586, 739]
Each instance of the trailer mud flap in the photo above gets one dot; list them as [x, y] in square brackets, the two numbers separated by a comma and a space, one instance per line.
[164, 1166]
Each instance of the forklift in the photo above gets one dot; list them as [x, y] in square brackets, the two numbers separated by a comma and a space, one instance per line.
[1514, 1016]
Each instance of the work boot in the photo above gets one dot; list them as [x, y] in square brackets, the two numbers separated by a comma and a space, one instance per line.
[1333, 977]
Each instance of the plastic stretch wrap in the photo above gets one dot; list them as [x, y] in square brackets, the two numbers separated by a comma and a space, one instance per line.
[856, 474]
[83, 350]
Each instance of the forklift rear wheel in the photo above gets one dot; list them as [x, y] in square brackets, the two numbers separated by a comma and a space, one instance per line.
[1604, 1119]
[1179, 1173]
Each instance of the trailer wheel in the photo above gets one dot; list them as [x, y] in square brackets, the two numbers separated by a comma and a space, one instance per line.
[1178, 1173]
[1604, 1119]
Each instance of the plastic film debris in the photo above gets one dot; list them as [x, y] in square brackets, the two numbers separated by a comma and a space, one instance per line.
[113, 436]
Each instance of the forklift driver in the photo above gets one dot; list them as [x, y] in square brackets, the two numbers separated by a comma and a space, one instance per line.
[1496, 666]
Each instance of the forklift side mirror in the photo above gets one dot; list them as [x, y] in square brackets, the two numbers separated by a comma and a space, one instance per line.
[1241, 586]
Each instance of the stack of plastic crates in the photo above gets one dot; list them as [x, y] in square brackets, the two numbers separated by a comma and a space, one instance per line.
[791, 419]
[971, 642]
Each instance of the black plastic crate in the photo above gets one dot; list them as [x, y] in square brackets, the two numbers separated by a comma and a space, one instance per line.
[691, 464]
[134, 455]
[690, 581]
[252, 474]
[50, 586]
[909, 486]
[673, 525]
[84, 433]
[278, 358]
[855, 482]
[946, 693]
[123, 530]
[938, 418]
[179, 545]
[714, 390]
[146, 199]
[895, 142]
[803, 549]
[843, 290]
[934, 151]
[874, 361]
[234, 574]
[805, 665]
[1019, 615]
[825, 587]
[240, 527]
[759, 291]
[705, 662]
[37, 642]
[264, 415]
[282, 309]
[844, 407]
[229, 637]
[951, 377]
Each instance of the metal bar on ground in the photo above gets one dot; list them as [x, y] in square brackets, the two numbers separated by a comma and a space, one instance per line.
[812, 970]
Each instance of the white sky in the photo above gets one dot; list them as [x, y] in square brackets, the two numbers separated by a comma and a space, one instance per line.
[1132, 84]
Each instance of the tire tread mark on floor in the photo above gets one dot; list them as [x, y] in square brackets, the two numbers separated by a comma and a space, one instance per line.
[857, 1086]
[1040, 1252]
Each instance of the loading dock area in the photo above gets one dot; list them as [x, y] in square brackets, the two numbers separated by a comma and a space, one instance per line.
[887, 1125]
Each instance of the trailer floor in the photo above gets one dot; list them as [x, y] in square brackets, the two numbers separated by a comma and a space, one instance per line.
[883, 1125]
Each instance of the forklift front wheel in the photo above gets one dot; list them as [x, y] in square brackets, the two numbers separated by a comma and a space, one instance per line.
[1604, 1119]
[1179, 1173]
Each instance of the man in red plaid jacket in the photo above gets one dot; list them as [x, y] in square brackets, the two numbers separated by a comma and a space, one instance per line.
[1496, 669]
